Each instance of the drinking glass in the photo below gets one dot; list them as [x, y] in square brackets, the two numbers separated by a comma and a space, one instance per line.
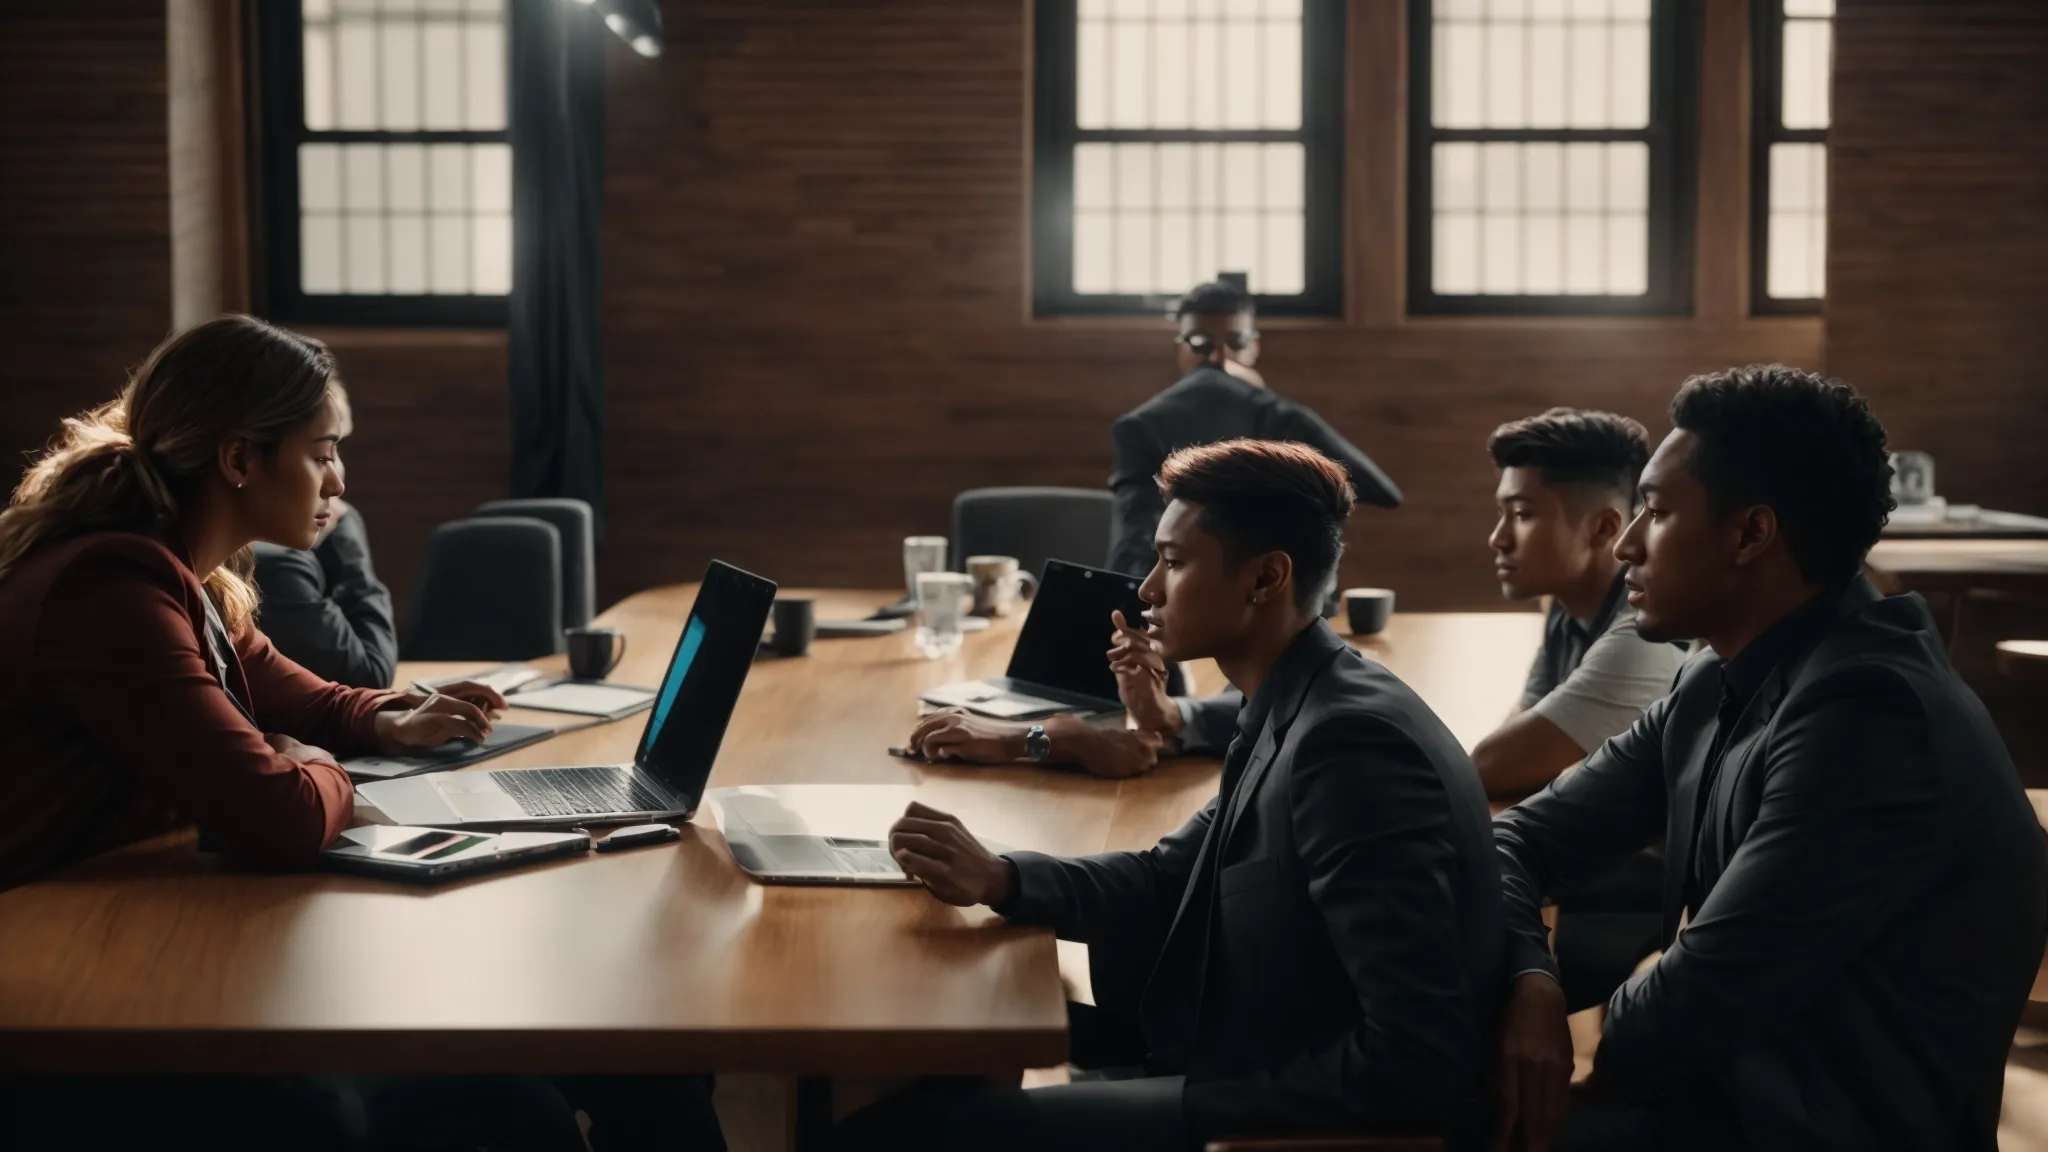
[921, 554]
[941, 605]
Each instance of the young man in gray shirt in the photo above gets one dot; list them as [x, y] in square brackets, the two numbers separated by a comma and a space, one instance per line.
[1567, 490]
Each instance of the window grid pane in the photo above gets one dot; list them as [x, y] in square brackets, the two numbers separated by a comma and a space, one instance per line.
[397, 216]
[1792, 214]
[1156, 218]
[1141, 65]
[1541, 219]
[1152, 217]
[1539, 149]
[1537, 65]
[1798, 221]
[381, 219]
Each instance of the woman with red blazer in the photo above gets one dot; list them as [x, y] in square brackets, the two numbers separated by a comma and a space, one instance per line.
[136, 696]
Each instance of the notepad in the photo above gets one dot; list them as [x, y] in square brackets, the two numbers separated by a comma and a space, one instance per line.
[586, 698]
[504, 678]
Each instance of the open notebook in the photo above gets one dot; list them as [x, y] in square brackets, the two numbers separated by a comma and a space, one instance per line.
[585, 698]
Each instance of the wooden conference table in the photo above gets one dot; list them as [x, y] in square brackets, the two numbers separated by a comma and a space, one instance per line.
[154, 958]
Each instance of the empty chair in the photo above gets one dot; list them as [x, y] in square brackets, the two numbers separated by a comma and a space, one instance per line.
[574, 520]
[1032, 524]
[488, 589]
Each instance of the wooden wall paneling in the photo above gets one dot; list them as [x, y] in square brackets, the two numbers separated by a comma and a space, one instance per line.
[1938, 236]
[1938, 275]
[84, 208]
[209, 250]
[1721, 261]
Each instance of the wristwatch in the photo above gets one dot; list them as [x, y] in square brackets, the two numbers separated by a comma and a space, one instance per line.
[1037, 744]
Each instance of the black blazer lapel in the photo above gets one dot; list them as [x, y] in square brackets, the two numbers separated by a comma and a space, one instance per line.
[1278, 721]
[1691, 759]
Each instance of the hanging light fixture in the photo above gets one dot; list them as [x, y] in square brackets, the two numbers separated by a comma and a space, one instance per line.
[637, 22]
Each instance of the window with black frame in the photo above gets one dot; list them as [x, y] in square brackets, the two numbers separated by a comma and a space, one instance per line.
[1551, 158]
[387, 168]
[1794, 67]
[1176, 139]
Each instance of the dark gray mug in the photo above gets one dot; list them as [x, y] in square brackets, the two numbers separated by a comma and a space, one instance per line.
[594, 652]
[796, 625]
[1368, 609]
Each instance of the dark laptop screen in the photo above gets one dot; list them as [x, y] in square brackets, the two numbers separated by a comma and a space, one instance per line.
[696, 697]
[1065, 642]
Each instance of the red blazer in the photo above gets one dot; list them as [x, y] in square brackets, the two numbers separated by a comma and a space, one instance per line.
[114, 728]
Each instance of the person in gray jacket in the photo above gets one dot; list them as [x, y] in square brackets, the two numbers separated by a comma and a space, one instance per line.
[324, 608]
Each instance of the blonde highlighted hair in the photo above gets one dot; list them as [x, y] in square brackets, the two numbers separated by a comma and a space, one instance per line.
[134, 463]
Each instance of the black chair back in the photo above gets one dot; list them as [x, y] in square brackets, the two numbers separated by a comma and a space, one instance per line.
[577, 525]
[487, 590]
[1032, 524]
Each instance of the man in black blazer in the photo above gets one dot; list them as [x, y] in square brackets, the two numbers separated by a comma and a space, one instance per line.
[1864, 883]
[1220, 397]
[1320, 946]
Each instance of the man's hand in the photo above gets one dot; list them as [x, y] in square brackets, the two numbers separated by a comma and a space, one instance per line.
[1113, 753]
[935, 849]
[1532, 1072]
[1141, 678]
[293, 750]
[964, 736]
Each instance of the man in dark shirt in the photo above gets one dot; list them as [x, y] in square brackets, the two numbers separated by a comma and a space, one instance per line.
[1319, 947]
[1863, 881]
[325, 609]
[1221, 397]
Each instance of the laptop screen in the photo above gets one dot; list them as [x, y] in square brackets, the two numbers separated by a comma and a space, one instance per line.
[1065, 642]
[697, 694]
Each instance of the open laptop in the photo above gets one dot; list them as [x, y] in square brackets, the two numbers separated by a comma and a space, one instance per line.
[815, 833]
[668, 772]
[1059, 663]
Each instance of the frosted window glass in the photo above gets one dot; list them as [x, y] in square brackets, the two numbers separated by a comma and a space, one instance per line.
[319, 255]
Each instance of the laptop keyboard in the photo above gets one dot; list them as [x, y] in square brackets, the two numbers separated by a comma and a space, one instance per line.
[865, 855]
[577, 791]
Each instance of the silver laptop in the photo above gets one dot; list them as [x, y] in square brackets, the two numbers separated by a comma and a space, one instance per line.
[1058, 664]
[775, 845]
[677, 748]
[831, 841]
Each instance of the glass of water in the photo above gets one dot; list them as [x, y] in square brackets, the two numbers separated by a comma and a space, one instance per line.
[921, 554]
[942, 599]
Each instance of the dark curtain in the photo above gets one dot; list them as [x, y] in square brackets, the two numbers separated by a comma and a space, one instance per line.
[556, 326]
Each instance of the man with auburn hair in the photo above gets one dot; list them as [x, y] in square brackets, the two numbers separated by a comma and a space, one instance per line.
[1320, 946]
[1864, 883]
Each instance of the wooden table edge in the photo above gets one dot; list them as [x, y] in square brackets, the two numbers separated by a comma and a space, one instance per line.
[877, 1052]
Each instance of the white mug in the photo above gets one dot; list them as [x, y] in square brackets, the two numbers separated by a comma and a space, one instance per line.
[997, 583]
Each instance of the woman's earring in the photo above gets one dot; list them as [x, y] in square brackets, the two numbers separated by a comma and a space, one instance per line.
[238, 485]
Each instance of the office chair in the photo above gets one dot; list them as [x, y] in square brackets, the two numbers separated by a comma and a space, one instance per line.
[577, 524]
[487, 589]
[1032, 524]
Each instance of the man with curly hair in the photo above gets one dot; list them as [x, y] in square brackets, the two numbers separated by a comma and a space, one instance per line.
[1864, 885]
